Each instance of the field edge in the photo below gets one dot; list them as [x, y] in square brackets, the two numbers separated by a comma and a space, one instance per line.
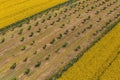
[22, 21]
[75, 59]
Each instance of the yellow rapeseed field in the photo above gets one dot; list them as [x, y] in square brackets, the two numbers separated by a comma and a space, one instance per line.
[113, 72]
[14, 10]
[101, 62]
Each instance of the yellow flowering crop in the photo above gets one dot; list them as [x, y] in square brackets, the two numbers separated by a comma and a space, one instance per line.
[14, 10]
[101, 62]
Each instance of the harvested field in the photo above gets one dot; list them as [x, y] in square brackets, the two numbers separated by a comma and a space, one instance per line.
[39, 48]
[101, 62]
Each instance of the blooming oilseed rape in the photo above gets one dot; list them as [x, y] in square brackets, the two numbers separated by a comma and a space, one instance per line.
[102, 61]
[12, 11]
[113, 72]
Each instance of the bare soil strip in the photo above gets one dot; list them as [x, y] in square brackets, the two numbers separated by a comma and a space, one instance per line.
[54, 38]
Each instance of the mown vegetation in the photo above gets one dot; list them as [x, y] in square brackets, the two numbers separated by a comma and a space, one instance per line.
[47, 44]
[97, 63]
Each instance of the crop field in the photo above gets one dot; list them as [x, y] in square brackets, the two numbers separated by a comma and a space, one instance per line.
[101, 62]
[45, 45]
[12, 11]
